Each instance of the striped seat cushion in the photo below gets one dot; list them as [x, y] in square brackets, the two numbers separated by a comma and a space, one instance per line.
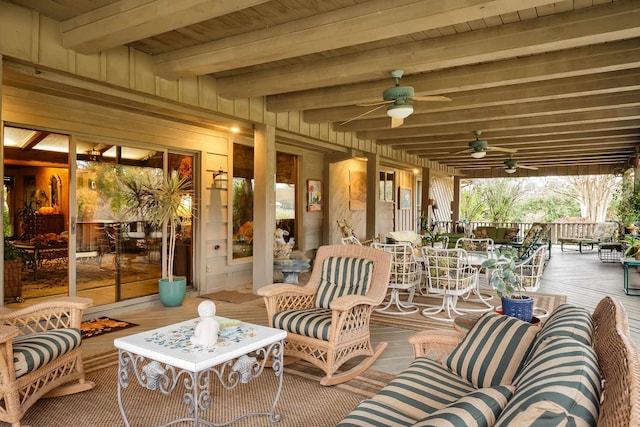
[424, 387]
[371, 413]
[561, 386]
[493, 350]
[313, 322]
[480, 408]
[343, 276]
[32, 351]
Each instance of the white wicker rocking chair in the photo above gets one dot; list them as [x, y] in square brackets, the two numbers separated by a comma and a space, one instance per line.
[40, 353]
[327, 320]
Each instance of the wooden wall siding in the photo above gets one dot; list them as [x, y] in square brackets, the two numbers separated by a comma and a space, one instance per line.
[27, 36]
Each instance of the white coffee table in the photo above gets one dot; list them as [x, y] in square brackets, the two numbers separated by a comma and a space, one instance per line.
[163, 357]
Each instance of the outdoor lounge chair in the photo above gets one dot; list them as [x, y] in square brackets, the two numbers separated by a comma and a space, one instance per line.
[603, 232]
[41, 353]
[327, 320]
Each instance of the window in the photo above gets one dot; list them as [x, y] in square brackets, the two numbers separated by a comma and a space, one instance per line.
[242, 187]
[286, 180]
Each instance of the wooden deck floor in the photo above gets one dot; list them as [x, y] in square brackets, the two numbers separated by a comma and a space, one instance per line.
[582, 277]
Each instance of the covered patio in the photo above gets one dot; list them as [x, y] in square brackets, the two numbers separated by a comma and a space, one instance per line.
[581, 277]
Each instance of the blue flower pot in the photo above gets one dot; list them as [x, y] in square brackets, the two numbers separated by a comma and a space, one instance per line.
[520, 308]
[172, 293]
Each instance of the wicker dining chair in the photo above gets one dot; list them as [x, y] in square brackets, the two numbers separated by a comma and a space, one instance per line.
[327, 320]
[41, 354]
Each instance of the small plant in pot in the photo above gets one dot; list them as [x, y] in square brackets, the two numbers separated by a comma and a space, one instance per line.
[632, 242]
[508, 284]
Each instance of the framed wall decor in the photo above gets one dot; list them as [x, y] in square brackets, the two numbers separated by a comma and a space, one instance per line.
[314, 192]
[404, 198]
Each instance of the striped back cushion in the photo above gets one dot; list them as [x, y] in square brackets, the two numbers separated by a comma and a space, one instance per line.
[493, 350]
[561, 386]
[343, 276]
[480, 408]
[566, 321]
[32, 351]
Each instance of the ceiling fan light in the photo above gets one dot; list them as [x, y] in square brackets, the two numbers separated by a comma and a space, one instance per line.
[510, 170]
[399, 111]
[478, 154]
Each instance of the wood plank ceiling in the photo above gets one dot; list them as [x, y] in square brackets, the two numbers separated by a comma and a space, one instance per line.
[556, 81]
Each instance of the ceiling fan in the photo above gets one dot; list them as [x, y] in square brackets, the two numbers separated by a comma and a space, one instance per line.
[479, 148]
[510, 166]
[399, 100]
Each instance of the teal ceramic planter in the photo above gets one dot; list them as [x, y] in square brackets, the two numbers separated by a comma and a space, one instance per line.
[172, 293]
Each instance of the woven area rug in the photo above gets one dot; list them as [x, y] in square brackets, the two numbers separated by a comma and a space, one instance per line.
[418, 322]
[303, 402]
[103, 325]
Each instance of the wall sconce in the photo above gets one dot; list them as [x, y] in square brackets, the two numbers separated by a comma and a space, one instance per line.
[220, 180]
[434, 206]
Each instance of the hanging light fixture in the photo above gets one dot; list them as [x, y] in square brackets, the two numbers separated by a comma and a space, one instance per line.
[478, 154]
[220, 180]
[510, 170]
[401, 111]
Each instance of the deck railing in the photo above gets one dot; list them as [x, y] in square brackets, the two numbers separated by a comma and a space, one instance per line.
[558, 229]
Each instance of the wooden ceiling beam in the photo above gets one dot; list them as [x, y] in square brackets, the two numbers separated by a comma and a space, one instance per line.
[598, 24]
[552, 65]
[531, 109]
[126, 21]
[364, 22]
[558, 120]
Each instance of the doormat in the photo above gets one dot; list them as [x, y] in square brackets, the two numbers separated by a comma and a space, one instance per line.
[233, 297]
[103, 325]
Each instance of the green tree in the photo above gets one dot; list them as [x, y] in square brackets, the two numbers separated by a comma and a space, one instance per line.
[472, 207]
[500, 196]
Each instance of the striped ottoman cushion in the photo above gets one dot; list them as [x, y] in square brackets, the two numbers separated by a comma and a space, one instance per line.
[493, 350]
[372, 413]
[424, 387]
[479, 408]
[343, 276]
[561, 386]
[32, 351]
[312, 322]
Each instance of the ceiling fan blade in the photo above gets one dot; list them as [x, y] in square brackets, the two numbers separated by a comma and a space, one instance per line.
[372, 104]
[430, 98]
[396, 122]
[468, 150]
[361, 115]
[504, 150]
[533, 168]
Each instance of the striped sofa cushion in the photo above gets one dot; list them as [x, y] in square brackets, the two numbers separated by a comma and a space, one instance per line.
[313, 322]
[343, 276]
[561, 386]
[424, 387]
[493, 350]
[371, 413]
[32, 351]
[569, 321]
[480, 408]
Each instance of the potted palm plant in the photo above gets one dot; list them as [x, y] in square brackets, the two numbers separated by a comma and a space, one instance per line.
[508, 284]
[160, 200]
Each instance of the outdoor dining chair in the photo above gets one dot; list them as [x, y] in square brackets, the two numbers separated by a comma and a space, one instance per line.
[406, 275]
[449, 274]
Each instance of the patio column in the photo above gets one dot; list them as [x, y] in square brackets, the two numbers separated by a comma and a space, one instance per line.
[426, 190]
[373, 188]
[455, 204]
[264, 202]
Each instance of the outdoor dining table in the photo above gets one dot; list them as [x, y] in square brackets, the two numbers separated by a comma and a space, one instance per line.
[37, 253]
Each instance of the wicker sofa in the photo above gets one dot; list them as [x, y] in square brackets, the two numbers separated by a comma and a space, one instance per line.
[578, 369]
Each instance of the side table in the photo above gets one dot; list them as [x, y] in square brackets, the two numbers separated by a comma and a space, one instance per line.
[626, 263]
[291, 268]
